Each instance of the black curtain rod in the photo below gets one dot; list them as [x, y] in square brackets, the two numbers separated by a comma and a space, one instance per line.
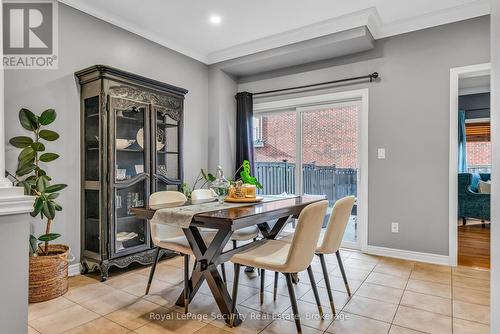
[372, 76]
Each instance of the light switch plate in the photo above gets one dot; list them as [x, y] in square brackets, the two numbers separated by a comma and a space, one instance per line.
[381, 153]
[395, 228]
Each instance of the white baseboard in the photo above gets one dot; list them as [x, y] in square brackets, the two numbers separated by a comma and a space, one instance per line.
[74, 269]
[409, 255]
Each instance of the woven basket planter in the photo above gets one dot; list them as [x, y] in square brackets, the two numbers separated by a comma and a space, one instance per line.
[48, 275]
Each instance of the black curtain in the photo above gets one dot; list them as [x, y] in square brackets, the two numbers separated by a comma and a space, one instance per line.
[244, 140]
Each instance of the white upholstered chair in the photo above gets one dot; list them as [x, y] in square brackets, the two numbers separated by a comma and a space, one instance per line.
[286, 257]
[330, 241]
[172, 238]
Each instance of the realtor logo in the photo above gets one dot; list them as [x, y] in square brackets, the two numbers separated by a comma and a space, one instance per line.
[30, 34]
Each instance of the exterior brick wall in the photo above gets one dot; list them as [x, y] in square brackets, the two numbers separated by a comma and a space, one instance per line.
[329, 137]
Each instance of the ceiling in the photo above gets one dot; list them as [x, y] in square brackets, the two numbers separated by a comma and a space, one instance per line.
[252, 26]
[474, 85]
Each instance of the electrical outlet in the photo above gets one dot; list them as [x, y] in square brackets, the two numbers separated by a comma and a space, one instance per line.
[381, 153]
[395, 228]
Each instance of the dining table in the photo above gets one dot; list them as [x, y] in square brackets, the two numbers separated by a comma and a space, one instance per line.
[270, 215]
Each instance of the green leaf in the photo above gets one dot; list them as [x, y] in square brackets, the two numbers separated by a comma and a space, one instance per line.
[41, 172]
[48, 157]
[211, 178]
[47, 117]
[41, 184]
[25, 170]
[48, 135]
[21, 141]
[58, 207]
[27, 187]
[28, 120]
[38, 147]
[33, 244]
[37, 207]
[27, 161]
[53, 196]
[26, 152]
[54, 188]
[49, 237]
[48, 209]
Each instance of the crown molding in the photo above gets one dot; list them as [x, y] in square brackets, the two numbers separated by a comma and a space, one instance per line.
[368, 17]
[119, 22]
[433, 19]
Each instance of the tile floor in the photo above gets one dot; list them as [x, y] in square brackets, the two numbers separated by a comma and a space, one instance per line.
[390, 296]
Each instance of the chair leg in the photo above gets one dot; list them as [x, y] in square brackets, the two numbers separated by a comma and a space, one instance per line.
[262, 280]
[258, 270]
[235, 293]
[464, 221]
[275, 289]
[186, 283]
[235, 244]
[223, 269]
[344, 276]
[295, 309]
[153, 268]
[483, 224]
[315, 291]
[327, 282]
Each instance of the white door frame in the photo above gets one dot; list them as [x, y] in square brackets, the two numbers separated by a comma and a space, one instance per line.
[308, 101]
[456, 74]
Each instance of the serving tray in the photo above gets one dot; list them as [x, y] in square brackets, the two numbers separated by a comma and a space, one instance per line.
[244, 200]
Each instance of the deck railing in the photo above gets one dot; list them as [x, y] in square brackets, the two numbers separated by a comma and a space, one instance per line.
[279, 177]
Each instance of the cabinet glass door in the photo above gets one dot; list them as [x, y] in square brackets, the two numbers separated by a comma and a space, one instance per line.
[130, 232]
[166, 150]
[130, 172]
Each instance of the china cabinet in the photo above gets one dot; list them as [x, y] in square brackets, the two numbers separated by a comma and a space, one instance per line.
[131, 146]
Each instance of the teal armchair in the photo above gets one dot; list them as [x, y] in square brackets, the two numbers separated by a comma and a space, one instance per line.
[472, 204]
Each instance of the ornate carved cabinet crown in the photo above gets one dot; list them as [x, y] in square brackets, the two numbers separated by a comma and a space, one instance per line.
[131, 146]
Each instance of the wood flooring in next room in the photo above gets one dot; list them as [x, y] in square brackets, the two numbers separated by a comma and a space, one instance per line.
[474, 245]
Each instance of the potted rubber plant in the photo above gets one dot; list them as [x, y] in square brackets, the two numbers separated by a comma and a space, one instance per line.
[48, 263]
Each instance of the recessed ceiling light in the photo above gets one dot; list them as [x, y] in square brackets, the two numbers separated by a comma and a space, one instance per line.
[215, 19]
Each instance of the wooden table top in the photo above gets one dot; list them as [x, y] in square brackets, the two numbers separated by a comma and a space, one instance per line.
[243, 216]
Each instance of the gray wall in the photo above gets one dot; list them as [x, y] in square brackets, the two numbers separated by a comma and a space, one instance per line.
[222, 120]
[85, 41]
[409, 116]
[495, 193]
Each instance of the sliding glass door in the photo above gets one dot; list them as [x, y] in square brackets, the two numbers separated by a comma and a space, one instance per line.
[312, 149]
[329, 155]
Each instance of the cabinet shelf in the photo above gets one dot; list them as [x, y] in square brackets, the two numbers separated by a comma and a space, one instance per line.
[139, 121]
[166, 125]
[126, 219]
[130, 150]
[166, 152]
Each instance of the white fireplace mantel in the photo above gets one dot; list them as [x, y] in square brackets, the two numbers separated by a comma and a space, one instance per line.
[13, 201]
